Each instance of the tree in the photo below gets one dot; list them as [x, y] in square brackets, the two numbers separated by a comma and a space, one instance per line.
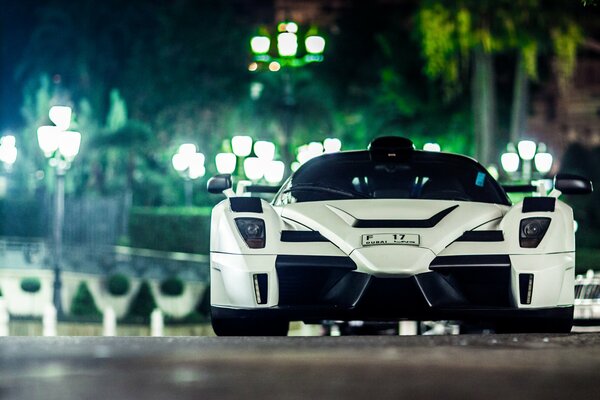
[142, 304]
[462, 38]
[83, 304]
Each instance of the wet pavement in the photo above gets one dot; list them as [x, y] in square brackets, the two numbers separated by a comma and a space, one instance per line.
[444, 367]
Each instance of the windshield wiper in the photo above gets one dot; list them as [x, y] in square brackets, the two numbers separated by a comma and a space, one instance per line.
[328, 189]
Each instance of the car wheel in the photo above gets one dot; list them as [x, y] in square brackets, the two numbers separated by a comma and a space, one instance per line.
[249, 327]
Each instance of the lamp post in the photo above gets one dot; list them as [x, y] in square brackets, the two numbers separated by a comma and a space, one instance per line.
[254, 161]
[190, 166]
[527, 154]
[60, 146]
[285, 55]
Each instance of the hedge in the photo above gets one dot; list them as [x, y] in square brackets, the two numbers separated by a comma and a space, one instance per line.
[172, 286]
[177, 229]
[118, 285]
[31, 285]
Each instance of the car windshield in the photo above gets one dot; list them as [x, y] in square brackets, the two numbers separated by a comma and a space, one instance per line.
[423, 175]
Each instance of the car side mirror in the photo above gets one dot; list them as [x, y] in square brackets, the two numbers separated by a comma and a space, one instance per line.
[218, 183]
[572, 184]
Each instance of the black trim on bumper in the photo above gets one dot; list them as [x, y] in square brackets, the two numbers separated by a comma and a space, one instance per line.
[481, 236]
[302, 236]
[289, 261]
[403, 223]
[483, 260]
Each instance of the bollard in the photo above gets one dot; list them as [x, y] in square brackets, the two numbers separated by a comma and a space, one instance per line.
[156, 323]
[49, 320]
[4, 318]
[407, 328]
[109, 322]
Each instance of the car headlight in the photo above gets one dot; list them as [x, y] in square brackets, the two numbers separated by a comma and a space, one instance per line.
[532, 231]
[253, 231]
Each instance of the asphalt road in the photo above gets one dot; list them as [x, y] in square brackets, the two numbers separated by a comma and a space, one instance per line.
[443, 367]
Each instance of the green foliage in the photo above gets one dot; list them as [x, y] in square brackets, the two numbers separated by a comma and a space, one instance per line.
[118, 285]
[117, 113]
[83, 304]
[172, 286]
[142, 304]
[442, 35]
[31, 284]
[170, 229]
[565, 41]
[20, 218]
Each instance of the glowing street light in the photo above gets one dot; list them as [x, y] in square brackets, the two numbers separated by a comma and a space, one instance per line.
[241, 145]
[61, 116]
[315, 44]
[264, 150]
[543, 162]
[8, 151]
[190, 166]
[527, 151]
[260, 44]
[432, 147]
[287, 48]
[287, 44]
[274, 171]
[332, 145]
[254, 168]
[510, 162]
[226, 163]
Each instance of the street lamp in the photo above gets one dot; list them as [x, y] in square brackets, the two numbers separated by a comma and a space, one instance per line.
[314, 149]
[254, 167]
[60, 147]
[8, 151]
[226, 163]
[287, 48]
[190, 166]
[525, 152]
[285, 55]
[432, 147]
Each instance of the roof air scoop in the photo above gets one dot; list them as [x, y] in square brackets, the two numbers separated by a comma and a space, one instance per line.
[391, 148]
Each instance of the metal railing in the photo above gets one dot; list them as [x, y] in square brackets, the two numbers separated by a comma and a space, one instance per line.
[24, 253]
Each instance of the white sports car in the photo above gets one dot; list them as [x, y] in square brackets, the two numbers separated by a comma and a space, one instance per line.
[392, 233]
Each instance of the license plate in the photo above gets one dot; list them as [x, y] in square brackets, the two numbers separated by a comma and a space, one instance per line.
[390, 238]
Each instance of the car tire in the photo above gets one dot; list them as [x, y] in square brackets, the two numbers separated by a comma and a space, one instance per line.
[249, 327]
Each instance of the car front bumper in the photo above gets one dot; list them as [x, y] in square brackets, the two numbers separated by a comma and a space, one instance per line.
[476, 295]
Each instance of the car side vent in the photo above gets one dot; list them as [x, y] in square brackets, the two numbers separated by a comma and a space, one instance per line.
[525, 288]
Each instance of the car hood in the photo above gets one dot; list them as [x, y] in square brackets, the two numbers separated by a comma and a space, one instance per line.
[437, 222]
